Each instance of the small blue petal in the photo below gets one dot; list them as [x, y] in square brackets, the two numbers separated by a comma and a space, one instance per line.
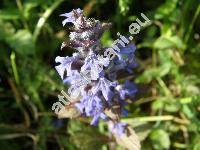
[103, 116]
[95, 121]
[129, 89]
[95, 65]
[70, 16]
[118, 128]
[104, 86]
[65, 65]
[80, 107]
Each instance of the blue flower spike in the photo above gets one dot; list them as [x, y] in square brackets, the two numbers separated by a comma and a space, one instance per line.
[102, 93]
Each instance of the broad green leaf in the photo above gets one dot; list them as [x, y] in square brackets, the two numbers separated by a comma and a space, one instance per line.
[196, 146]
[158, 104]
[86, 137]
[124, 6]
[9, 14]
[106, 38]
[28, 7]
[186, 100]
[186, 110]
[22, 42]
[160, 139]
[196, 142]
[165, 42]
[7, 30]
[171, 107]
[166, 9]
[153, 73]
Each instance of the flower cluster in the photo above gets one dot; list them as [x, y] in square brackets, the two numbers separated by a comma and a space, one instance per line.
[102, 97]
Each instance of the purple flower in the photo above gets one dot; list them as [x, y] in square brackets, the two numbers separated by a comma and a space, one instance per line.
[92, 77]
[127, 52]
[76, 78]
[70, 17]
[124, 112]
[93, 107]
[83, 103]
[125, 59]
[65, 65]
[127, 90]
[95, 65]
[117, 128]
[104, 86]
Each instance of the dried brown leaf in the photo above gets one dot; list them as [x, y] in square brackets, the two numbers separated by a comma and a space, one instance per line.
[129, 140]
[68, 113]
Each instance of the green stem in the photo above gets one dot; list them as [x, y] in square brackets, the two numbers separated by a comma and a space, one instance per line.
[149, 119]
[164, 87]
[44, 18]
[192, 24]
[14, 67]
[154, 59]
[156, 119]
[21, 10]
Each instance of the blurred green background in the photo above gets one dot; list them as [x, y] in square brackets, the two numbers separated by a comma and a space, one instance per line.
[166, 114]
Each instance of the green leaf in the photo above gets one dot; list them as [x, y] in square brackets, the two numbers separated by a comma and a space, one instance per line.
[186, 100]
[86, 137]
[106, 38]
[160, 139]
[22, 42]
[196, 146]
[196, 142]
[186, 110]
[28, 7]
[165, 42]
[158, 104]
[124, 6]
[153, 73]
[9, 14]
[7, 30]
[166, 9]
[171, 107]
